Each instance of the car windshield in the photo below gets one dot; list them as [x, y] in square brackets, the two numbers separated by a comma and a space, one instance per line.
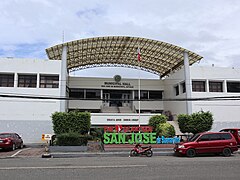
[194, 137]
[5, 135]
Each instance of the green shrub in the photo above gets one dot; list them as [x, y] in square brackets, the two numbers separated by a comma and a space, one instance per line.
[165, 129]
[154, 121]
[196, 122]
[97, 134]
[201, 122]
[184, 123]
[71, 122]
[71, 139]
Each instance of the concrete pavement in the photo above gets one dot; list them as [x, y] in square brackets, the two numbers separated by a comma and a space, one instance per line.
[39, 150]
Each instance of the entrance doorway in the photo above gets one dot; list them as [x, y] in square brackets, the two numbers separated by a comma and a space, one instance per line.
[116, 98]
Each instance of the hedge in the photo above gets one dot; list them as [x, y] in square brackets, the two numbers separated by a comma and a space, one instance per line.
[71, 139]
[165, 129]
[73, 121]
[154, 121]
[196, 122]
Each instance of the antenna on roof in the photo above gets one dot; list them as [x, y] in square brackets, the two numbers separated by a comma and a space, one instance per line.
[63, 36]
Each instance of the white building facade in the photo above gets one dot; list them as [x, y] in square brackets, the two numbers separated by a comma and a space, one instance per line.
[32, 89]
[28, 79]
[26, 104]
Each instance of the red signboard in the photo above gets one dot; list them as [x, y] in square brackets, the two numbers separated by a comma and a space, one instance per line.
[127, 129]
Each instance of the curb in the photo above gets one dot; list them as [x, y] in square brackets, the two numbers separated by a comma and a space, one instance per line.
[109, 154]
[103, 154]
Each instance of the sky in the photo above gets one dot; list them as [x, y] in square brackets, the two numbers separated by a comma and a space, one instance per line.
[210, 28]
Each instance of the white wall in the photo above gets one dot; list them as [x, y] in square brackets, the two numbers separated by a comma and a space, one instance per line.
[81, 104]
[91, 82]
[28, 109]
[176, 107]
[123, 119]
[28, 117]
[223, 110]
[97, 83]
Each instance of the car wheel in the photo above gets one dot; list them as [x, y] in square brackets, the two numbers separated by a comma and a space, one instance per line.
[227, 152]
[21, 145]
[191, 153]
[13, 147]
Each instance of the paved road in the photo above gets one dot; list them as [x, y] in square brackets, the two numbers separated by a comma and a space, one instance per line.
[160, 167]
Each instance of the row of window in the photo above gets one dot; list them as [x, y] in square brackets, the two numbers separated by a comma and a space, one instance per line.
[214, 86]
[85, 93]
[96, 94]
[30, 80]
[145, 94]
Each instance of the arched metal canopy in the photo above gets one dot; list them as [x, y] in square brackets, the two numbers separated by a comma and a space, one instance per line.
[157, 57]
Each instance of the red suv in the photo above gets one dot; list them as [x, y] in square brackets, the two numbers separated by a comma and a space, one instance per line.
[10, 141]
[208, 142]
[235, 132]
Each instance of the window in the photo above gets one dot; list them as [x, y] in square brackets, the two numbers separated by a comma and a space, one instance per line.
[183, 87]
[76, 93]
[155, 94]
[27, 80]
[194, 137]
[215, 86]
[204, 137]
[215, 137]
[49, 81]
[176, 89]
[6, 80]
[226, 136]
[233, 87]
[198, 86]
[143, 94]
[93, 93]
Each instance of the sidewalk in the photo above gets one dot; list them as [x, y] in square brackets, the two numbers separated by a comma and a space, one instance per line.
[118, 150]
[38, 150]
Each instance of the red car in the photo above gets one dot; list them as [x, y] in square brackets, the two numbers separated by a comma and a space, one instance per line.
[208, 142]
[235, 132]
[10, 141]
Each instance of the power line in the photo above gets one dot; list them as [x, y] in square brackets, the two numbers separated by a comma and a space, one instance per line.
[218, 98]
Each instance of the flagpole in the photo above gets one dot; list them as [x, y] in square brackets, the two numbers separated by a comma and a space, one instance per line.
[139, 92]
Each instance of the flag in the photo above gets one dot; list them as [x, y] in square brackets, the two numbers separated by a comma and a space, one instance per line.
[118, 128]
[139, 54]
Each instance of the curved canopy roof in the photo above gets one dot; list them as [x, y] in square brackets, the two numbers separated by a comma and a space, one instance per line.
[157, 57]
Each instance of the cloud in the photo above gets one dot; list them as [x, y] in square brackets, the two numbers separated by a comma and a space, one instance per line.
[209, 28]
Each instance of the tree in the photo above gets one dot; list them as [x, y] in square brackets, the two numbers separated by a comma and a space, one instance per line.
[154, 121]
[165, 129]
[196, 122]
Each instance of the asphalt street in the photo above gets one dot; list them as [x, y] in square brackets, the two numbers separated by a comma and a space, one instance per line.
[94, 168]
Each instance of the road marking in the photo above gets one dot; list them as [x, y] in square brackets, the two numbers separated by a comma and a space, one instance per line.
[70, 167]
[19, 152]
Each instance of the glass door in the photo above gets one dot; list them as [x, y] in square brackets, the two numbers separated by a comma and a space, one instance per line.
[125, 98]
[106, 97]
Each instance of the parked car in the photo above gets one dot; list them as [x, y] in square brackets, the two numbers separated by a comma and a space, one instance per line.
[10, 141]
[235, 132]
[208, 142]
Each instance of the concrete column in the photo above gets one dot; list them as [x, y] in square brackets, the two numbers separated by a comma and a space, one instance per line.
[63, 79]
[15, 80]
[38, 80]
[207, 85]
[188, 83]
[225, 86]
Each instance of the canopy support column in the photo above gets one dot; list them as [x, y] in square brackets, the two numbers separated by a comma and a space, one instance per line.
[63, 79]
[188, 83]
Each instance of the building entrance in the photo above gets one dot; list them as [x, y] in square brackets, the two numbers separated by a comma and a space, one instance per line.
[116, 98]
